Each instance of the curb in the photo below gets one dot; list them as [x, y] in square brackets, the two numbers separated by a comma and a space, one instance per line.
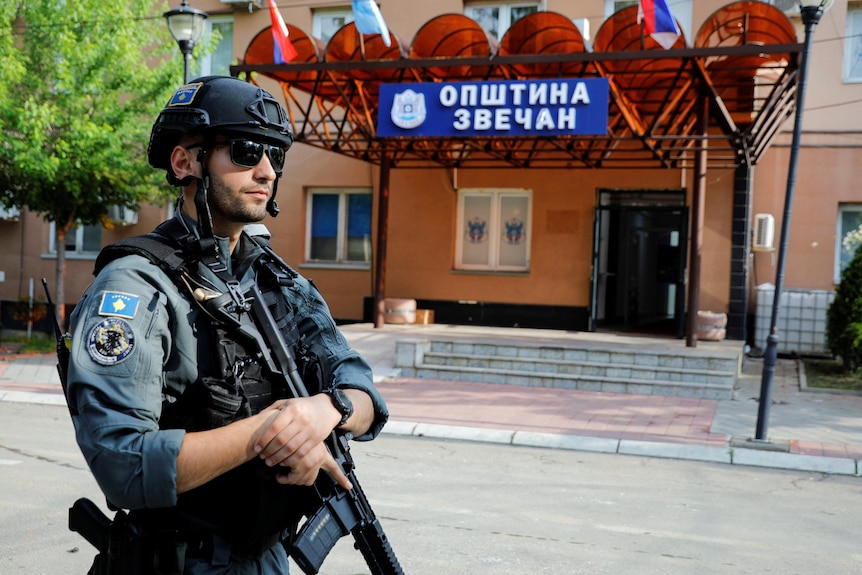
[681, 451]
[30, 397]
[729, 454]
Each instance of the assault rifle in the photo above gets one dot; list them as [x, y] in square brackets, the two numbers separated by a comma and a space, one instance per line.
[340, 511]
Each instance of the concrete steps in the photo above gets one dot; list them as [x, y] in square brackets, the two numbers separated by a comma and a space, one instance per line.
[677, 372]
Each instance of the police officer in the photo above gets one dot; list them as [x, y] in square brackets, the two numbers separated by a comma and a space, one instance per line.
[175, 418]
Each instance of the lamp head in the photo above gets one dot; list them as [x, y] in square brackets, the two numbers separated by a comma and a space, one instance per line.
[812, 10]
[186, 25]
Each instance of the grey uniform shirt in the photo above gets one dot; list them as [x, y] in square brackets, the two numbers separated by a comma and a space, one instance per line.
[135, 345]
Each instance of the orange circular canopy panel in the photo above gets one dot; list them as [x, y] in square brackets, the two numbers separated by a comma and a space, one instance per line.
[745, 23]
[452, 36]
[544, 33]
[739, 24]
[622, 31]
[648, 81]
[348, 44]
[260, 51]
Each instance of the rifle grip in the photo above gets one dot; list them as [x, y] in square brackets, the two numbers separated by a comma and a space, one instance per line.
[88, 520]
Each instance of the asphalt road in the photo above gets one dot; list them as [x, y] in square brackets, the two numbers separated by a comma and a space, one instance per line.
[467, 508]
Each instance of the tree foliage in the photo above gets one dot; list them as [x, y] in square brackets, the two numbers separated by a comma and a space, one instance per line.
[844, 316]
[80, 86]
[78, 102]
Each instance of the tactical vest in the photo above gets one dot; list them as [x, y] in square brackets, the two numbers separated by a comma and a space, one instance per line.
[245, 506]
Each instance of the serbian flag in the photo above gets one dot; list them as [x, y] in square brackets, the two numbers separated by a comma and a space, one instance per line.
[369, 20]
[658, 22]
[282, 48]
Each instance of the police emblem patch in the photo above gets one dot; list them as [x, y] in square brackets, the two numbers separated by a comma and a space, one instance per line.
[111, 341]
[408, 109]
[119, 304]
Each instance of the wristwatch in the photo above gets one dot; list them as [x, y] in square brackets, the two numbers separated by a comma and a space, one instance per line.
[342, 403]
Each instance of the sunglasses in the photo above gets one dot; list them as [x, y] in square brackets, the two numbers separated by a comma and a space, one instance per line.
[248, 153]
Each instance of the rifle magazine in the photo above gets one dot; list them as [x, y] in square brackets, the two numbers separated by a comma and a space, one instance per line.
[315, 540]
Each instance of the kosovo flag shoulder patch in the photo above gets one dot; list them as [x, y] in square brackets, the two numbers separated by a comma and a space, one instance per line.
[119, 304]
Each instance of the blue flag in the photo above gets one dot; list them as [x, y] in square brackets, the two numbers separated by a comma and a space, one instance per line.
[658, 22]
[369, 20]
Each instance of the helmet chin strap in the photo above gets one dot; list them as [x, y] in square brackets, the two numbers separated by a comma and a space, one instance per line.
[202, 207]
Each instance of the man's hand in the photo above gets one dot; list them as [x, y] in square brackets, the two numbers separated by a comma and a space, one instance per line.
[292, 437]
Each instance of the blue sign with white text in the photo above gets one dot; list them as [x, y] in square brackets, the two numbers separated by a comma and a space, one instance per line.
[553, 107]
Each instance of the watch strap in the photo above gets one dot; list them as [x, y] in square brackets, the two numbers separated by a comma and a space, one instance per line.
[342, 403]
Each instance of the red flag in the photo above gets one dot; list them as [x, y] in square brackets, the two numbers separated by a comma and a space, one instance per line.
[658, 22]
[282, 49]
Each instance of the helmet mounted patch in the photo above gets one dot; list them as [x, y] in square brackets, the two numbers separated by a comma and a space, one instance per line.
[185, 95]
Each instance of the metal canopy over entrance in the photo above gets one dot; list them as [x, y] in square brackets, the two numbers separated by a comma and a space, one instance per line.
[716, 104]
[743, 62]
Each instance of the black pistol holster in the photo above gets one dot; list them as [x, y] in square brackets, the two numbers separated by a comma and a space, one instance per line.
[127, 546]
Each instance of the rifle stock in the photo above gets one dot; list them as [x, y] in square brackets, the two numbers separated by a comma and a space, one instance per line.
[340, 511]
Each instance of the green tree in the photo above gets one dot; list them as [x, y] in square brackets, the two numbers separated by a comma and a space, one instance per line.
[80, 86]
[844, 316]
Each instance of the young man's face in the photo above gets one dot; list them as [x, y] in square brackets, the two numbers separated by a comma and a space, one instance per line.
[237, 194]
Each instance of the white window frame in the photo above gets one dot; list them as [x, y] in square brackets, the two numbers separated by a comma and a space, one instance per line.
[494, 231]
[504, 18]
[341, 239]
[614, 6]
[77, 252]
[854, 211]
[321, 14]
[852, 69]
[206, 62]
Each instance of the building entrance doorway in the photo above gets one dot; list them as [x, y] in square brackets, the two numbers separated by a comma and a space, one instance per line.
[639, 262]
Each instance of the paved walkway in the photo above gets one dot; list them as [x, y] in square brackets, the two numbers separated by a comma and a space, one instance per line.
[807, 430]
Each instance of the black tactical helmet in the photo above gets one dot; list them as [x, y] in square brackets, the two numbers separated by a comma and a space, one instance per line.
[217, 105]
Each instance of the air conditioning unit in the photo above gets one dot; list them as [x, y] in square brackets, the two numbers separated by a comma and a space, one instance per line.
[122, 215]
[764, 232]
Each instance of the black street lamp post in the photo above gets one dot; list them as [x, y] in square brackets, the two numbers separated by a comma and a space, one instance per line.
[811, 11]
[187, 26]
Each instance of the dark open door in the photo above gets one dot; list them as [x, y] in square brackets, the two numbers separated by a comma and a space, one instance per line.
[639, 259]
